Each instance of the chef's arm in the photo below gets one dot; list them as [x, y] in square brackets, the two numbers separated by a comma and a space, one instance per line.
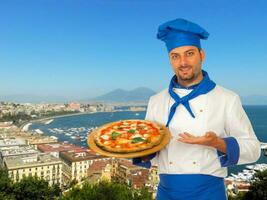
[239, 127]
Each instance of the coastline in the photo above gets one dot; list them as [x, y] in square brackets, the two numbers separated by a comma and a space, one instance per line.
[42, 120]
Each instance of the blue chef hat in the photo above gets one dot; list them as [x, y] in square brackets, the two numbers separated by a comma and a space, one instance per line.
[180, 32]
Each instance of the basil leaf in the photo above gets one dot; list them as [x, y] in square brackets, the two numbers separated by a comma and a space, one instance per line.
[114, 135]
[138, 139]
[131, 131]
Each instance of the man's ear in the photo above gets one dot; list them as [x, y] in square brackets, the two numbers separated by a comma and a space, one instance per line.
[202, 55]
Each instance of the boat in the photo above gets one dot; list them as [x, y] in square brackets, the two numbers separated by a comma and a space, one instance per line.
[49, 121]
[38, 131]
[250, 166]
[26, 127]
[78, 138]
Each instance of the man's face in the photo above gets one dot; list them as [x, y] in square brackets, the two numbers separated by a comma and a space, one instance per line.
[186, 63]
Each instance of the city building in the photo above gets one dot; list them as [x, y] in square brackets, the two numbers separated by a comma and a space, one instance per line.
[45, 166]
[74, 106]
[76, 164]
[55, 148]
[16, 151]
[12, 141]
[40, 139]
[153, 180]
[100, 170]
[123, 171]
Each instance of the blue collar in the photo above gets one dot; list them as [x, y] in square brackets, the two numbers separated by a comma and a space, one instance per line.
[205, 86]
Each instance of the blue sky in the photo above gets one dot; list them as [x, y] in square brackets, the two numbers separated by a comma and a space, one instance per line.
[84, 48]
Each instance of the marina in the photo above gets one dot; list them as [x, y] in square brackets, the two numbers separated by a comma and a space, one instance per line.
[247, 174]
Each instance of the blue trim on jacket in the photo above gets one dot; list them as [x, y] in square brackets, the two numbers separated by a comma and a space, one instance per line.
[141, 163]
[232, 154]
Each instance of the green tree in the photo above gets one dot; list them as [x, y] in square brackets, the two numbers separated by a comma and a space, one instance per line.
[5, 185]
[106, 191]
[239, 196]
[34, 188]
[258, 188]
[5, 196]
[5, 182]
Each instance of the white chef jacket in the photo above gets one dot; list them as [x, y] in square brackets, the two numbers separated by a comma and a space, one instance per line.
[220, 111]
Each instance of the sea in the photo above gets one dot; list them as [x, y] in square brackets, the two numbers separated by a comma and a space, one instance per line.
[75, 129]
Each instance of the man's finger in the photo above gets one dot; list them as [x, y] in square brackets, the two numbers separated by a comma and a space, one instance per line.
[183, 135]
[188, 134]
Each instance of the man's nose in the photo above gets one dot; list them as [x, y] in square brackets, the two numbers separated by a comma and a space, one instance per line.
[183, 60]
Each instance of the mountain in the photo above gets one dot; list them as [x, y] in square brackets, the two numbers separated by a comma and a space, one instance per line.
[254, 100]
[140, 94]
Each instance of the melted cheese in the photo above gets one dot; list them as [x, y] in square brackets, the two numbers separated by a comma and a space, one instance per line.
[123, 141]
[104, 137]
[107, 142]
[136, 135]
[146, 135]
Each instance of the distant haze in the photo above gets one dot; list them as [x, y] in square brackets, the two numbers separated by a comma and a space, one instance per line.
[140, 94]
[254, 100]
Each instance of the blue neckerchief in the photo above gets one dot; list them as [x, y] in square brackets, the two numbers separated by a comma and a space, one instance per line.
[177, 85]
[203, 87]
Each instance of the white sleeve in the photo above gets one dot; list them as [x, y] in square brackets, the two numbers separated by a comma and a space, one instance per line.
[149, 111]
[150, 116]
[239, 127]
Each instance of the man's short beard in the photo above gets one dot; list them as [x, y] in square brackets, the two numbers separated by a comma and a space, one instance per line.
[192, 77]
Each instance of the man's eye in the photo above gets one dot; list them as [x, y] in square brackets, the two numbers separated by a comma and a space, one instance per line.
[174, 57]
[190, 53]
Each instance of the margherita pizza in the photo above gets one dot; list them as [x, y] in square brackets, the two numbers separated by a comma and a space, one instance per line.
[129, 136]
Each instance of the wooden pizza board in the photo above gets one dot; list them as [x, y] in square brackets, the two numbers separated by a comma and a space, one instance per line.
[92, 145]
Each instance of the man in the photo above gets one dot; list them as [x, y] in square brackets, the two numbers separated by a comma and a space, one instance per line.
[210, 130]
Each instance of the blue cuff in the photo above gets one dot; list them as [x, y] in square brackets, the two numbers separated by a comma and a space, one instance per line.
[232, 152]
[139, 162]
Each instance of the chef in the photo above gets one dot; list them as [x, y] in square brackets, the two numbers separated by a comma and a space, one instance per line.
[210, 129]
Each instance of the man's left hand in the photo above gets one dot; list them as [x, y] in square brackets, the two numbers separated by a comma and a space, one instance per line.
[209, 139]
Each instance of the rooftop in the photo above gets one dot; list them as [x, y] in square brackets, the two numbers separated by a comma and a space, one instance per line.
[98, 165]
[5, 142]
[127, 163]
[29, 161]
[58, 147]
[39, 139]
[78, 155]
[17, 150]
